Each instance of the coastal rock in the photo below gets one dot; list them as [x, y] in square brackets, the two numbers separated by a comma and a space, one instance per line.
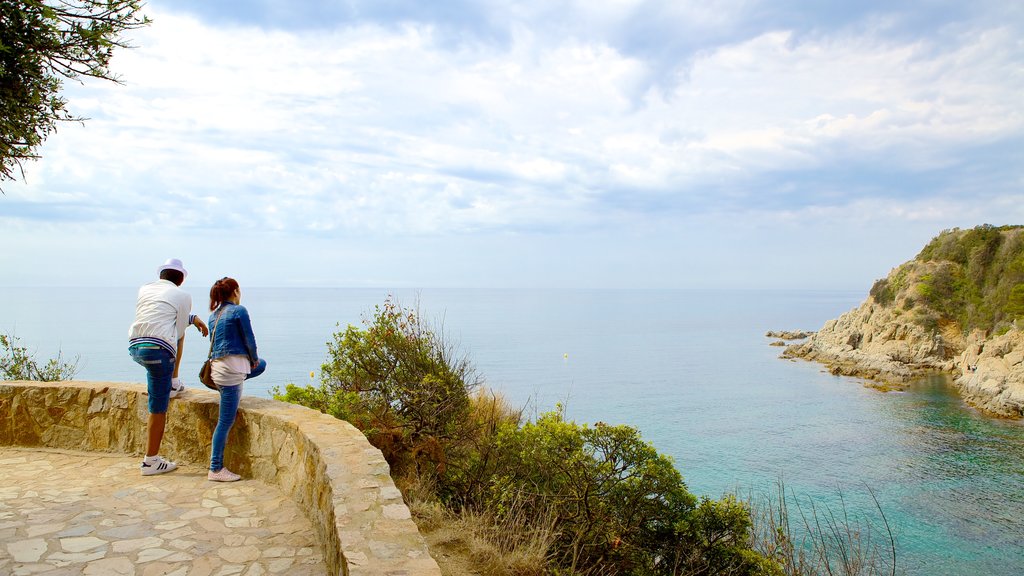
[892, 344]
[787, 334]
[990, 373]
[876, 343]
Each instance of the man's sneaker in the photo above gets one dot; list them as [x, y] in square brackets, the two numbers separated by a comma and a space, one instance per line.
[223, 475]
[157, 466]
[177, 387]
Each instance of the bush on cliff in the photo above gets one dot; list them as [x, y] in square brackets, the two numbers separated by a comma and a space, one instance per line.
[974, 278]
[610, 502]
[882, 292]
[17, 363]
[401, 384]
[615, 504]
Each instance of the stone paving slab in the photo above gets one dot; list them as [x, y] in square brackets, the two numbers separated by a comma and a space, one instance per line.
[69, 513]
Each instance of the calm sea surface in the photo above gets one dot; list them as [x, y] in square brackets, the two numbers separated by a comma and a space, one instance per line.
[691, 369]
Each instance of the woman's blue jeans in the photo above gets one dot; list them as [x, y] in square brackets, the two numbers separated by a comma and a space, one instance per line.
[229, 397]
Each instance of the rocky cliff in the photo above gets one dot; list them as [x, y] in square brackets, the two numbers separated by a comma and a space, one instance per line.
[914, 322]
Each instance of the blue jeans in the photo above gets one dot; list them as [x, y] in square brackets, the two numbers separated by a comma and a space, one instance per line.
[229, 397]
[159, 365]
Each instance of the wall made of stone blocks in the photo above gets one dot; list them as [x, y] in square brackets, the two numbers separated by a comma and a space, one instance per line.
[326, 465]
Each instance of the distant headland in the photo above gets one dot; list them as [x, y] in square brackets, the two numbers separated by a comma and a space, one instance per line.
[956, 308]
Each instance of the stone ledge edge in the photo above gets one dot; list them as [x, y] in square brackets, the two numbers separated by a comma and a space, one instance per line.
[325, 465]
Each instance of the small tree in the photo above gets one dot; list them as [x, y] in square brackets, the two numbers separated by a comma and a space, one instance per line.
[615, 500]
[41, 43]
[882, 292]
[400, 383]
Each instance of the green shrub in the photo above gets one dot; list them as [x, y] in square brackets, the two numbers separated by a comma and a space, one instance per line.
[618, 506]
[976, 273]
[398, 382]
[945, 246]
[1015, 302]
[716, 539]
[17, 363]
[614, 498]
[881, 292]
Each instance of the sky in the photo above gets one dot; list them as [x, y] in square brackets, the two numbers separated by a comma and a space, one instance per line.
[775, 144]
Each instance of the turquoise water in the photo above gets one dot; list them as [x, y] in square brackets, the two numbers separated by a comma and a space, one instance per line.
[691, 369]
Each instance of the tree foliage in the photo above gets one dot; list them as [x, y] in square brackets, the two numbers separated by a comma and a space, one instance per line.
[975, 277]
[882, 292]
[400, 383]
[618, 506]
[614, 499]
[43, 42]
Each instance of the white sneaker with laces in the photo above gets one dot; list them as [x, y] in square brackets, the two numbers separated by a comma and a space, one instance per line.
[177, 387]
[223, 475]
[156, 465]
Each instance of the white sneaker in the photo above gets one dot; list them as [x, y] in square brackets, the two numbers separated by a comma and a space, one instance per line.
[177, 387]
[223, 475]
[157, 466]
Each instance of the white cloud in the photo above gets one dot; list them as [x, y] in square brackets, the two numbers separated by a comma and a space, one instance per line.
[397, 131]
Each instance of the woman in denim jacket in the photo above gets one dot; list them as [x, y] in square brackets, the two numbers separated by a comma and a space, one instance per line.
[233, 360]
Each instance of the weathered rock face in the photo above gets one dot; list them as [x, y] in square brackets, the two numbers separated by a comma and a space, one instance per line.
[878, 343]
[990, 373]
[884, 344]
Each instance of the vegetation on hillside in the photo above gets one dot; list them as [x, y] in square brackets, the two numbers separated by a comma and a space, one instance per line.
[974, 278]
[547, 496]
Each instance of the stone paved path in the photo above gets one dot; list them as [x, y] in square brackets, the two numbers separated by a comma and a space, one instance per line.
[64, 513]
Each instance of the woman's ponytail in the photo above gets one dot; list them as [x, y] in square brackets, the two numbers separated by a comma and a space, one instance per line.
[221, 291]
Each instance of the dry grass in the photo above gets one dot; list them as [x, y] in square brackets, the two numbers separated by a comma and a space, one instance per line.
[478, 543]
[811, 540]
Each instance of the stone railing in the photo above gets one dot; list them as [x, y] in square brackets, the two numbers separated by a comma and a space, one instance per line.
[325, 464]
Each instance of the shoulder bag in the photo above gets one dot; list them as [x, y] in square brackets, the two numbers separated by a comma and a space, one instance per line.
[206, 371]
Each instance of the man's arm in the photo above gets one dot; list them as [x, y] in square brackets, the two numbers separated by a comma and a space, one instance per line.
[177, 359]
[200, 325]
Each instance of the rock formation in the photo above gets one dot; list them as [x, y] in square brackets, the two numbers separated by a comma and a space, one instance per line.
[912, 323]
[788, 334]
[990, 373]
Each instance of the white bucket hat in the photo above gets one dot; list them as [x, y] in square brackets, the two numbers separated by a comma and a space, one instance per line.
[173, 264]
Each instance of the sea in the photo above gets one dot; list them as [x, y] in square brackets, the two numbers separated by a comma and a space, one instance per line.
[692, 370]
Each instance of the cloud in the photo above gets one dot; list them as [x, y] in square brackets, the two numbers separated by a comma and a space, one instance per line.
[617, 122]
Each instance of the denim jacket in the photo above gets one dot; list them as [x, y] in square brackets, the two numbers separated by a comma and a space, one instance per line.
[232, 332]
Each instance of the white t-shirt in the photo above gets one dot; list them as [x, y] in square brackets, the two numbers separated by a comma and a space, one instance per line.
[231, 370]
[161, 315]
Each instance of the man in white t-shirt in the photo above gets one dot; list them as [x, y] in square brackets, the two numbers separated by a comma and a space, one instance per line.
[155, 341]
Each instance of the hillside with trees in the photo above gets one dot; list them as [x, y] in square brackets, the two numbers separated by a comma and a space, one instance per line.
[955, 308]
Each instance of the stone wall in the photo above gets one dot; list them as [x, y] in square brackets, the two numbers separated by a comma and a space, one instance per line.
[325, 464]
